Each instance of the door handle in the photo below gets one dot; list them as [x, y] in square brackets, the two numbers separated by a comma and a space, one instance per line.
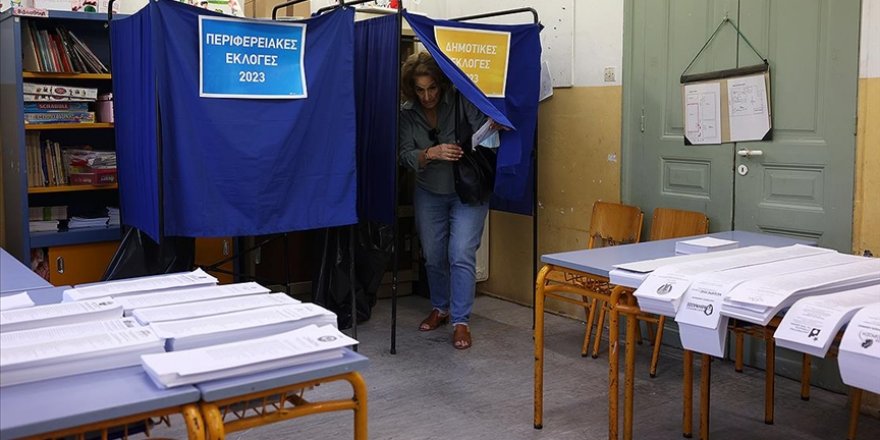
[59, 265]
[749, 153]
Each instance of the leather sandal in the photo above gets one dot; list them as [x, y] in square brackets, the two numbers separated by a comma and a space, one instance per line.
[461, 337]
[434, 320]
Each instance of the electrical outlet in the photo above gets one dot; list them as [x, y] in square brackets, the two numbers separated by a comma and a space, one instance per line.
[609, 74]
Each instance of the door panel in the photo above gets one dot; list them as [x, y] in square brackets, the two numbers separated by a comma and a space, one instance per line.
[80, 263]
[662, 170]
[802, 185]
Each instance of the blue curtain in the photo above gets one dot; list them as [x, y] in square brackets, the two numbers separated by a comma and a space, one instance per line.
[134, 102]
[376, 52]
[518, 109]
[252, 167]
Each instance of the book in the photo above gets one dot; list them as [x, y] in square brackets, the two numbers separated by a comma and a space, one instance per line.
[59, 117]
[81, 93]
[49, 107]
[305, 345]
[703, 245]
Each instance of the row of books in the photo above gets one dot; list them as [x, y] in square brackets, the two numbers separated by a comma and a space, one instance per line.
[182, 328]
[56, 49]
[51, 164]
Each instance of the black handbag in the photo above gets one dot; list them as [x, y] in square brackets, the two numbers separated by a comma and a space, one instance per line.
[475, 170]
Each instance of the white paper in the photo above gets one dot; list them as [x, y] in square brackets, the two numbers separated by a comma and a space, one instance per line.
[483, 134]
[197, 277]
[811, 324]
[187, 295]
[546, 81]
[59, 314]
[703, 113]
[75, 348]
[210, 308]
[748, 110]
[237, 321]
[16, 301]
[63, 332]
[308, 344]
[703, 245]
[646, 266]
[859, 354]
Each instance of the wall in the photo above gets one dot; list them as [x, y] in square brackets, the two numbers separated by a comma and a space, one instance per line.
[866, 218]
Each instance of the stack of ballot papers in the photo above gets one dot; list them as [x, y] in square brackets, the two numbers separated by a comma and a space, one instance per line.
[48, 357]
[181, 296]
[859, 353]
[218, 329]
[662, 290]
[59, 314]
[15, 301]
[759, 300]
[704, 245]
[305, 345]
[701, 325]
[202, 309]
[633, 274]
[114, 289]
[811, 324]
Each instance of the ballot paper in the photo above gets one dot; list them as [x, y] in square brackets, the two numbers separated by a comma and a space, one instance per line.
[811, 324]
[633, 274]
[703, 245]
[63, 332]
[759, 300]
[486, 136]
[59, 314]
[89, 353]
[195, 278]
[15, 301]
[702, 327]
[859, 353]
[662, 291]
[188, 295]
[210, 308]
[191, 333]
[308, 344]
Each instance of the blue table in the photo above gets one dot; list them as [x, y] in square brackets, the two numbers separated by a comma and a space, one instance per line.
[595, 264]
[273, 396]
[90, 402]
[16, 277]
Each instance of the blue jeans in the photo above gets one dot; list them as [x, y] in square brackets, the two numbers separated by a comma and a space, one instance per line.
[450, 233]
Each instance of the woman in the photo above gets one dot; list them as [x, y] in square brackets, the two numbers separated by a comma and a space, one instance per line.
[449, 230]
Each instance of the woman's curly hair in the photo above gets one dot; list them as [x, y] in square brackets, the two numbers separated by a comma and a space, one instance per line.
[421, 64]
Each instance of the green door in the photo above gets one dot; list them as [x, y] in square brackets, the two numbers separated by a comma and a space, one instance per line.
[802, 184]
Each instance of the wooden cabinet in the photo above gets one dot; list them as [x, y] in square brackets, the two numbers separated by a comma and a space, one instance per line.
[78, 264]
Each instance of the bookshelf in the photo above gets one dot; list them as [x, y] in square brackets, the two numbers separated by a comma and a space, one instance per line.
[84, 252]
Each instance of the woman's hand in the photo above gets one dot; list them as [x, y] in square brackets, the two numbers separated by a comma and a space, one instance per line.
[496, 126]
[449, 152]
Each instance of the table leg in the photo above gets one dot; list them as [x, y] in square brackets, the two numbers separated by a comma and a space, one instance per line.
[805, 377]
[629, 374]
[613, 345]
[705, 383]
[214, 429]
[539, 346]
[687, 418]
[854, 413]
[769, 375]
[360, 410]
[195, 426]
[738, 356]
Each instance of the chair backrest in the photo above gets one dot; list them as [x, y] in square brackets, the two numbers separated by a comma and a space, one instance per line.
[613, 224]
[673, 223]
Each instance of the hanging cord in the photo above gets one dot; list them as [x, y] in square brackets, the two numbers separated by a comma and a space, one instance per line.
[729, 21]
